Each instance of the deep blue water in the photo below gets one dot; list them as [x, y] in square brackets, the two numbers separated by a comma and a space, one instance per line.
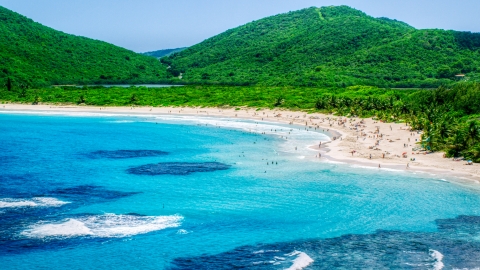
[184, 193]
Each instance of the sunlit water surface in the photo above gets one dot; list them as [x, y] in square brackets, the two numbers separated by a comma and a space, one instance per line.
[182, 192]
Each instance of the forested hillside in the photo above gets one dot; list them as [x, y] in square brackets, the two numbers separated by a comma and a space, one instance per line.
[34, 55]
[329, 46]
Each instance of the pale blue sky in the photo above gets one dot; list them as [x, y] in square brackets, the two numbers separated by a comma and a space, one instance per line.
[146, 25]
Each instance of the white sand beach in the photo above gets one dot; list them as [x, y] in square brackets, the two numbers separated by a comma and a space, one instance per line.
[373, 143]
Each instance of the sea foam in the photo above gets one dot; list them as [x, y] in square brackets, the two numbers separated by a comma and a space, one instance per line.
[103, 226]
[33, 202]
[297, 135]
[302, 260]
[438, 257]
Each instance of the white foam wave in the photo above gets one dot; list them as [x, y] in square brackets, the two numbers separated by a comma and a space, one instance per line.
[265, 251]
[34, 202]
[105, 226]
[302, 260]
[438, 257]
[373, 167]
[122, 121]
[333, 162]
[182, 231]
[293, 136]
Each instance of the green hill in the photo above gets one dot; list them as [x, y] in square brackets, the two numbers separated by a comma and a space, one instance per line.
[162, 53]
[34, 55]
[329, 46]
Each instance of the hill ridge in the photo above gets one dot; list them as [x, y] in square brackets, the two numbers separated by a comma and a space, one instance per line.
[43, 56]
[298, 48]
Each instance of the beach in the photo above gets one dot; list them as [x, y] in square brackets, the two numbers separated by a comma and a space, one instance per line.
[208, 186]
[359, 141]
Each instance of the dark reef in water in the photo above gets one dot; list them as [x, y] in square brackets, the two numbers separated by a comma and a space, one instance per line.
[456, 245]
[91, 193]
[121, 154]
[178, 168]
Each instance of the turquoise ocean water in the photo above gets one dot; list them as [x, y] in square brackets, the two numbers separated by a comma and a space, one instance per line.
[182, 192]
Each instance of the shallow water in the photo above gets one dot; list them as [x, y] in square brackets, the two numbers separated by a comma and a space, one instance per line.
[67, 200]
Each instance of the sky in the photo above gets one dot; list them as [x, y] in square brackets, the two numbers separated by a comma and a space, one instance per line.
[148, 25]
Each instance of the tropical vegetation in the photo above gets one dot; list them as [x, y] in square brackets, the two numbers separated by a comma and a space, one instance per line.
[329, 47]
[33, 55]
[313, 60]
[449, 116]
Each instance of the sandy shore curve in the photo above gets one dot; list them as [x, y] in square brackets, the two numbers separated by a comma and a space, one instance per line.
[359, 141]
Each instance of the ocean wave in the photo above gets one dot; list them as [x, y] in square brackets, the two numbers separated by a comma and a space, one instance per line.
[438, 257]
[33, 202]
[302, 260]
[122, 121]
[102, 226]
[296, 136]
[373, 167]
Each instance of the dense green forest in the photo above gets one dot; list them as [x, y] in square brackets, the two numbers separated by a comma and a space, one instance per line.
[162, 53]
[449, 117]
[314, 47]
[311, 60]
[329, 46]
[34, 55]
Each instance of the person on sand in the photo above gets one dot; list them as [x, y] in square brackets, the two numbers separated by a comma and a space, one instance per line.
[379, 166]
[408, 165]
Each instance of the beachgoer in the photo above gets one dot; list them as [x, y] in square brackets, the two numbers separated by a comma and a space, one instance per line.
[408, 165]
[379, 166]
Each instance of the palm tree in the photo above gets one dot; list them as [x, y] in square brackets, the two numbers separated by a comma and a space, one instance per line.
[81, 99]
[474, 153]
[319, 104]
[457, 143]
[473, 132]
[133, 98]
[443, 128]
[279, 101]
[428, 136]
[333, 102]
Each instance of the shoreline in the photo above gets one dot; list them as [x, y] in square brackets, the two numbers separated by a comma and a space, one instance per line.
[374, 143]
